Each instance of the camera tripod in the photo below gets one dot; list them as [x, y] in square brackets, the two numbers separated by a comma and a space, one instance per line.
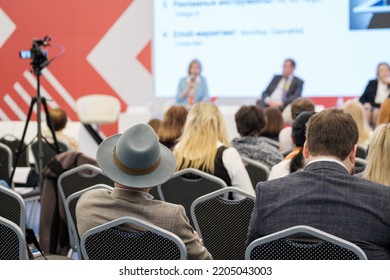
[39, 101]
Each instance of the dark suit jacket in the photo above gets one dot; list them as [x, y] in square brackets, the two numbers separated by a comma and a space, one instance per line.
[326, 197]
[370, 93]
[294, 91]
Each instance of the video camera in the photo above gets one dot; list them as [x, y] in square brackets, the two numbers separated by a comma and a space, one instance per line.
[38, 53]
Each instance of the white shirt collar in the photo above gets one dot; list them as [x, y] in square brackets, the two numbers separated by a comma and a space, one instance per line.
[327, 159]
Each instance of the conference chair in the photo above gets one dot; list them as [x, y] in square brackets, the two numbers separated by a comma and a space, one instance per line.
[360, 165]
[257, 171]
[187, 185]
[148, 242]
[361, 152]
[303, 243]
[222, 223]
[48, 152]
[5, 163]
[13, 143]
[12, 207]
[13, 244]
[70, 209]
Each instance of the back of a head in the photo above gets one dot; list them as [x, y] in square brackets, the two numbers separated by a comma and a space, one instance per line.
[358, 113]
[378, 160]
[331, 132]
[384, 112]
[155, 124]
[298, 132]
[203, 128]
[301, 105]
[59, 118]
[274, 121]
[250, 120]
[173, 122]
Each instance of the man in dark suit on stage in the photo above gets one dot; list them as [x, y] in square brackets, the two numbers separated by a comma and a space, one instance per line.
[325, 195]
[283, 89]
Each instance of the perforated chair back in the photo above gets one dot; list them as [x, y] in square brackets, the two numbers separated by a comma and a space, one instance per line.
[5, 162]
[149, 242]
[12, 241]
[12, 207]
[223, 224]
[13, 143]
[303, 243]
[70, 209]
[257, 171]
[48, 152]
[187, 185]
[98, 109]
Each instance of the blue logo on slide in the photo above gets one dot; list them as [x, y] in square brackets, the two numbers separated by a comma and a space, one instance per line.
[369, 14]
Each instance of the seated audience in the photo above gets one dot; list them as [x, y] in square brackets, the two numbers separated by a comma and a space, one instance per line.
[325, 195]
[204, 145]
[155, 124]
[378, 160]
[295, 160]
[250, 121]
[273, 123]
[59, 119]
[376, 92]
[172, 125]
[297, 106]
[384, 113]
[356, 110]
[136, 161]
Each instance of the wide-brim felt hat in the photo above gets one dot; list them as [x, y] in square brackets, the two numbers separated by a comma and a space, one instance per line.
[136, 158]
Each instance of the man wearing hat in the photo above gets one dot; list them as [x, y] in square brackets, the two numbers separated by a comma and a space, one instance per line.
[136, 161]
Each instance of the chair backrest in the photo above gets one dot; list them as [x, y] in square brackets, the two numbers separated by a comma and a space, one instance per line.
[361, 152]
[98, 109]
[12, 207]
[13, 243]
[70, 209]
[5, 162]
[149, 242]
[303, 243]
[13, 143]
[257, 171]
[187, 185]
[223, 224]
[48, 152]
[360, 165]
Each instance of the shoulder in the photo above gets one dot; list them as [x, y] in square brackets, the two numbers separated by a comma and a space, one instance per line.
[373, 82]
[298, 80]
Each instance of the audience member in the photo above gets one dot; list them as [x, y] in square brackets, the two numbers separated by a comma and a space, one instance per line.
[325, 195]
[378, 160]
[59, 119]
[204, 145]
[295, 160]
[250, 121]
[376, 92]
[384, 113]
[172, 125]
[356, 110]
[192, 88]
[283, 89]
[155, 124]
[297, 106]
[273, 123]
[136, 161]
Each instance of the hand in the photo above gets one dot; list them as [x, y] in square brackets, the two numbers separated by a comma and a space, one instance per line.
[197, 236]
[367, 106]
[277, 104]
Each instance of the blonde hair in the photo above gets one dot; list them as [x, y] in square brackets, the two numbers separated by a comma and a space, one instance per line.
[356, 110]
[384, 112]
[197, 147]
[378, 161]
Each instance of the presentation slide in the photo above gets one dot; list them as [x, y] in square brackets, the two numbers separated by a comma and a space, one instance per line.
[243, 43]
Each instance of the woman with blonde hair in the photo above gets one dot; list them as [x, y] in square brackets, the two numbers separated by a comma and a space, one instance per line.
[384, 113]
[172, 125]
[204, 145]
[378, 160]
[358, 113]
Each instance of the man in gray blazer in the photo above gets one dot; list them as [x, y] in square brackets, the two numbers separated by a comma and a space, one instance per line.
[283, 89]
[136, 161]
[325, 195]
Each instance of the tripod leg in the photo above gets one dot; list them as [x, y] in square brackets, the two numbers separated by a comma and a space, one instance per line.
[19, 150]
[50, 125]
